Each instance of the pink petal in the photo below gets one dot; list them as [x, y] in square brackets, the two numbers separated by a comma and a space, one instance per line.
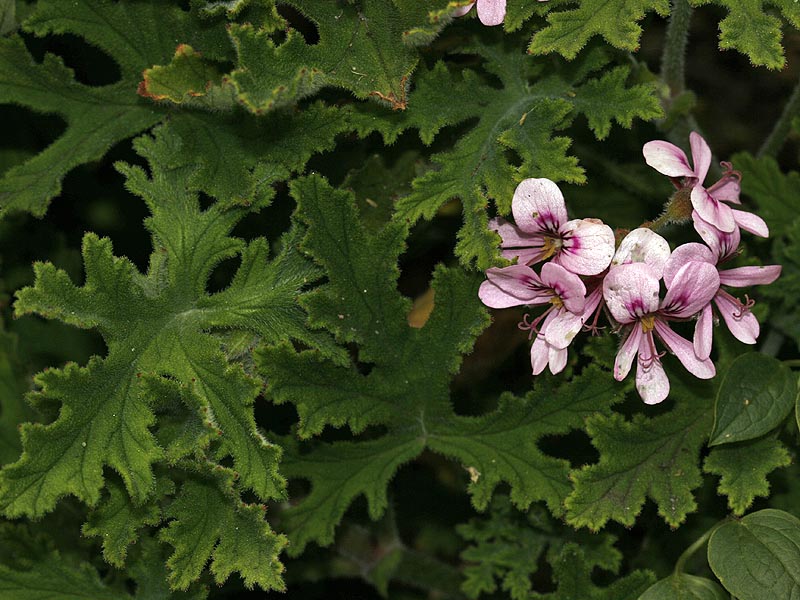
[693, 286]
[746, 276]
[513, 286]
[491, 12]
[563, 328]
[460, 12]
[527, 248]
[701, 155]
[750, 222]
[685, 254]
[703, 333]
[557, 358]
[587, 248]
[631, 291]
[667, 159]
[727, 189]
[651, 380]
[538, 206]
[741, 323]
[684, 351]
[627, 352]
[540, 354]
[723, 245]
[568, 286]
[715, 213]
[642, 245]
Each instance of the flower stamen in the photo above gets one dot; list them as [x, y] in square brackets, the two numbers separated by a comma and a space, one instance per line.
[744, 307]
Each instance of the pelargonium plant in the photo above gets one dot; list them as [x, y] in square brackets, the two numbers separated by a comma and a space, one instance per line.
[404, 299]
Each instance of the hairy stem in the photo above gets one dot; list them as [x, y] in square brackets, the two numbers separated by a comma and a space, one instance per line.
[698, 543]
[673, 59]
[777, 136]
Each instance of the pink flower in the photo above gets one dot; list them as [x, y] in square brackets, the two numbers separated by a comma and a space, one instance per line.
[490, 12]
[720, 248]
[642, 245]
[670, 160]
[631, 293]
[542, 231]
[560, 323]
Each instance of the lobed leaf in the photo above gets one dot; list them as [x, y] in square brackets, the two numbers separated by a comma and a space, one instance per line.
[743, 469]
[568, 31]
[400, 386]
[752, 30]
[522, 116]
[641, 458]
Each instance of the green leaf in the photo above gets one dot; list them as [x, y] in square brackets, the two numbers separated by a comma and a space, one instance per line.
[752, 30]
[240, 157]
[157, 324]
[97, 117]
[746, 407]
[641, 458]
[144, 33]
[572, 570]
[757, 557]
[189, 80]
[360, 49]
[210, 522]
[116, 521]
[616, 20]
[506, 546]
[743, 469]
[406, 389]
[681, 586]
[774, 193]
[8, 19]
[13, 409]
[535, 101]
[53, 578]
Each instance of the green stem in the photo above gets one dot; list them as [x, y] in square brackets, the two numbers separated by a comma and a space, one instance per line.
[687, 554]
[673, 59]
[792, 363]
[780, 131]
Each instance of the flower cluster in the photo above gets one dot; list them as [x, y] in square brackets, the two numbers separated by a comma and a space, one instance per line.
[586, 274]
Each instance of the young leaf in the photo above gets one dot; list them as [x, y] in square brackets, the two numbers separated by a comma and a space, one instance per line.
[752, 30]
[681, 586]
[209, 521]
[644, 457]
[617, 21]
[533, 102]
[156, 323]
[189, 80]
[743, 469]
[116, 521]
[746, 407]
[407, 387]
[757, 557]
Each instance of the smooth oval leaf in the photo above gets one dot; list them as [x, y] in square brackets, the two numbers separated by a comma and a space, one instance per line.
[684, 587]
[756, 394]
[759, 556]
